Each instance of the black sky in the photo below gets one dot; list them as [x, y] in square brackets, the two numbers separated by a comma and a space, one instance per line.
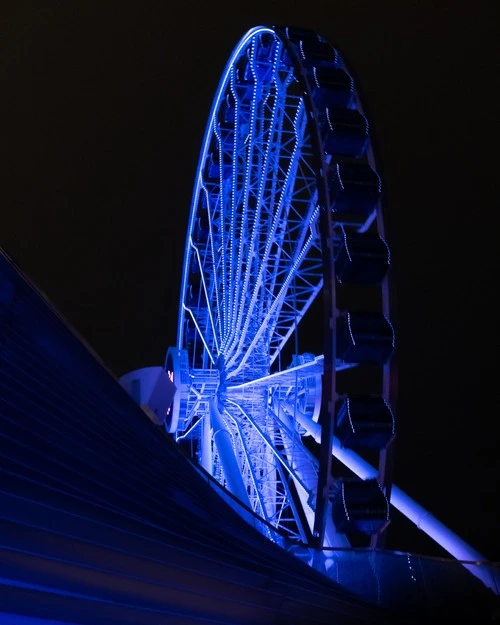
[106, 107]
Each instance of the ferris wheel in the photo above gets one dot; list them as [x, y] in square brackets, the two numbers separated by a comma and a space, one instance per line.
[281, 387]
[285, 244]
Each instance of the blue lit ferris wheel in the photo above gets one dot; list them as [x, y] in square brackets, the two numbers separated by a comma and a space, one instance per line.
[286, 225]
[281, 385]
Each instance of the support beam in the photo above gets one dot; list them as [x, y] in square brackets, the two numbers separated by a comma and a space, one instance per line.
[232, 471]
[471, 559]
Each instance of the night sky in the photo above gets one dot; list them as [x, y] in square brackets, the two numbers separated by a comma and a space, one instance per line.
[106, 109]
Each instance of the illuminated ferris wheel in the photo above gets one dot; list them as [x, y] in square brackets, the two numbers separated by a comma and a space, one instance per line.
[286, 230]
[281, 386]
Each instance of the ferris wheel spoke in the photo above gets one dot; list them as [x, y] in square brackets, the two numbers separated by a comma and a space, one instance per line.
[247, 467]
[267, 321]
[289, 508]
[233, 199]
[290, 316]
[284, 377]
[308, 467]
[260, 322]
[223, 269]
[281, 190]
[267, 440]
[226, 153]
[243, 194]
[200, 333]
[289, 285]
[210, 330]
[263, 179]
[244, 267]
[209, 258]
[256, 463]
[299, 457]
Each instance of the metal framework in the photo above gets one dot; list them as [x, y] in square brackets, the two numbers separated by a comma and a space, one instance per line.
[258, 253]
